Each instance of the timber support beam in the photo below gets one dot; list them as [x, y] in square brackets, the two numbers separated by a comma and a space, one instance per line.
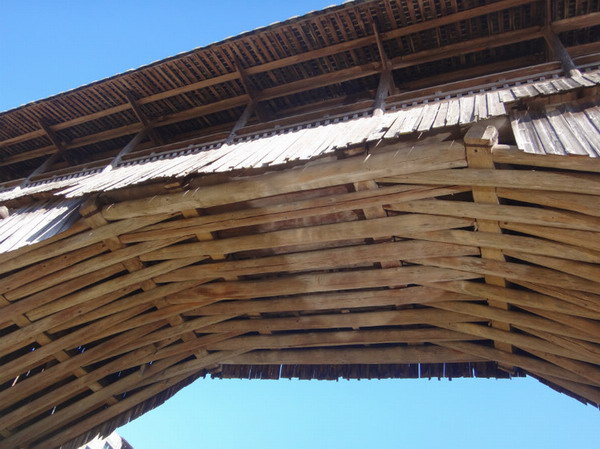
[479, 141]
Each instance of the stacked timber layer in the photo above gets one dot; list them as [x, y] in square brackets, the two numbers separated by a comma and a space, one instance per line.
[446, 259]
[324, 198]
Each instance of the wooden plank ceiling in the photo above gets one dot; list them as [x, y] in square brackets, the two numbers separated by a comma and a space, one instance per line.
[440, 260]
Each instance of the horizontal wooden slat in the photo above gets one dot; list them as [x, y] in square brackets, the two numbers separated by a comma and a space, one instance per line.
[405, 355]
[520, 179]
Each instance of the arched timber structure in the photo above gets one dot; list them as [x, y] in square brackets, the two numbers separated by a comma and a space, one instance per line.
[381, 189]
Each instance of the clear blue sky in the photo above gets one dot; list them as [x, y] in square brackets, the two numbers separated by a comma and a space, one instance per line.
[47, 47]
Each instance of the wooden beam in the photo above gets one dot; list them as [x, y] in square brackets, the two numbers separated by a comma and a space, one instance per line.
[385, 163]
[576, 22]
[33, 254]
[337, 300]
[360, 229]
[339, 338]
[479, 141]
[325, 282]
[586, 184]
[559, 26]
[299, 86]
[386, 79]
[133, 143]
[288, 210]
[353, 256]
[504, 154]
[560, 52]
[533, 365]
[154, 136]
[505, 215]
[241, 122]
[516, 271]
[402, 355]
[520, 298]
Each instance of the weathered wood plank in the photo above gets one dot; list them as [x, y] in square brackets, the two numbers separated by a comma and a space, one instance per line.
[501, 213]
[339, 338]
[519, 272]
[398, 161]
[289, 285]
[586, 204]
[510, 242]
[353, 256]
[520, 179]
[509, 155]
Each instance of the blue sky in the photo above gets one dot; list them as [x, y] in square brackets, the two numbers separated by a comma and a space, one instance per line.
[47, 47]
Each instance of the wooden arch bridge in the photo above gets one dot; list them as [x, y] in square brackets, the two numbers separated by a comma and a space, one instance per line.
[390, 189]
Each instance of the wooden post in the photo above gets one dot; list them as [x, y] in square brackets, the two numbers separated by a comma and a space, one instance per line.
[479, 141]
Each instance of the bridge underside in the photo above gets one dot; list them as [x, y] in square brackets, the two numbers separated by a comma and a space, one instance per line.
[444, 259]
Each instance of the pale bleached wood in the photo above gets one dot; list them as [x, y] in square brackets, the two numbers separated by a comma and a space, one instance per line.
[521, 179]
[582, 239]
[285, 210]
[33, 358]
[510, 242]
[119, 306]
[53, 374]
[510, 155]
[109, 286]
[586, 204]
[332, 301]
[343, 320]
[403, 355]
[397, 161]
[514, 271]
[188, 348]
[575, 346]
[318, 283]
[340, 338]
[172, 333]
[582, 369]
[60, 394]
[354, 256]
[9, 261]
[77, 270]
[67, 414]
[587, 300]
[580, 269]
[501, 213]
[25, 305]
[361, 229]
[69, 432]
[589, 393]
[24, 277]
[592, 327]
[521, 298]
[515, 318]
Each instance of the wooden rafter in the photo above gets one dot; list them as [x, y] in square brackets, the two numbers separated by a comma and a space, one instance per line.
[562, 25]
[386, 80]
[558, 26]
[141, 116]
[299, 86]
[156, 297]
